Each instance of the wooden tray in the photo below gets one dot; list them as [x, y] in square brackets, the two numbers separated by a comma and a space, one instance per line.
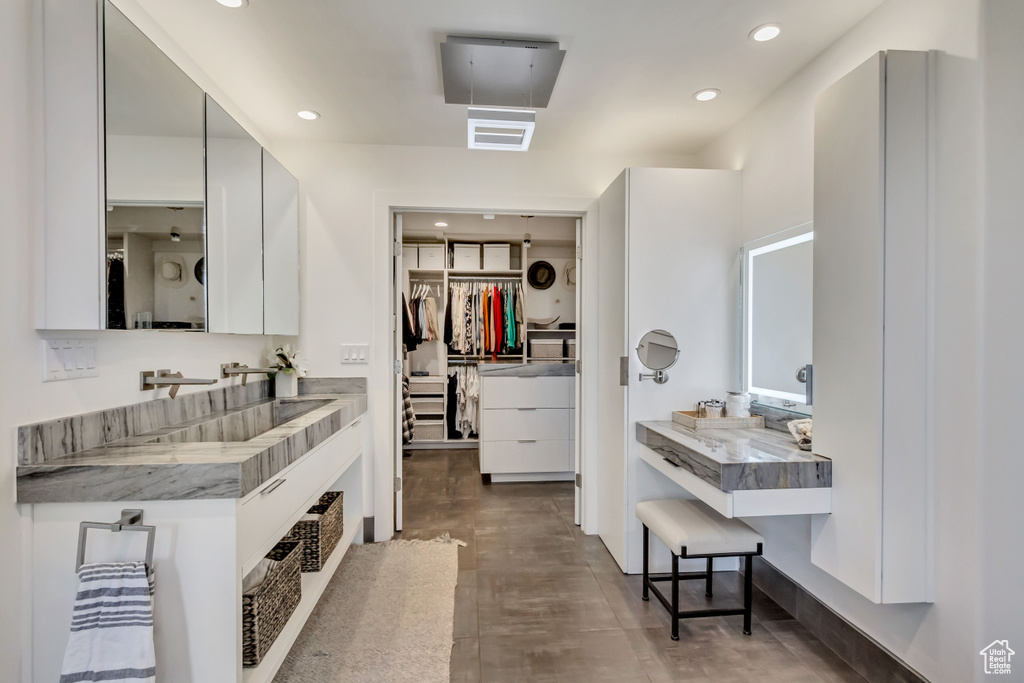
[688, 418]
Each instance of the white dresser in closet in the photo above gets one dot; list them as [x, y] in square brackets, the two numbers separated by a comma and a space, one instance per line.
[526, 431]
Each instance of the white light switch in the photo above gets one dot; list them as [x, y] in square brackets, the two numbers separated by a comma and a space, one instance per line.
[68, 359]
[355, 353]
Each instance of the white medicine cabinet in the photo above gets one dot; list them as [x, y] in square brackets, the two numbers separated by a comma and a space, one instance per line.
[161, 211]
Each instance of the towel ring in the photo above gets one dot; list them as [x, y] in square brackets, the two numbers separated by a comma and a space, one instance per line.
[131, 520]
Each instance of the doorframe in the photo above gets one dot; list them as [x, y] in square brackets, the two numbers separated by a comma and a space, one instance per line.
[388, 467]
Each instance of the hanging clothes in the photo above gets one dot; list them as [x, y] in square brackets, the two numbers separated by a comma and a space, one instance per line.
[409, 336]
[463, 402]
[408, 414]
[485, 318]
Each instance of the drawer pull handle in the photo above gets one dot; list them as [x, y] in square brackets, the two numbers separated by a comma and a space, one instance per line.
[527, 440]
[273, 486]
[526, 409]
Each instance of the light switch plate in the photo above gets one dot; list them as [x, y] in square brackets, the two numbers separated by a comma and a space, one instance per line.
[355, 354]
[68, 359]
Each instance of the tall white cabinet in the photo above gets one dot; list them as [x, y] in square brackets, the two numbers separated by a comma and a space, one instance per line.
[668, 243]
[871, 327]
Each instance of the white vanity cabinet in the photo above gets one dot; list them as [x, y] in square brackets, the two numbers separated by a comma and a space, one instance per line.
[526, 430]
[203, 549]
[871, 326]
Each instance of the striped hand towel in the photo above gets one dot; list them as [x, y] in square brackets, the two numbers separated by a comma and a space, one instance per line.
[112, 625]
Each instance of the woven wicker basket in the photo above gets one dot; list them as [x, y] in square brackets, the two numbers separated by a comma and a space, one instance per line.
[320, 536]
[268, 607]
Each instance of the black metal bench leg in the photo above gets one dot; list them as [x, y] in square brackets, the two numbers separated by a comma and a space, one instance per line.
[748, 590]
[646, 596]
[707, 585]
[675, 597]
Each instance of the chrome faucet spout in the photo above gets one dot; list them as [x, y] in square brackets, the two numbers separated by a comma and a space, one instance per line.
[233, 369]
[148, 379]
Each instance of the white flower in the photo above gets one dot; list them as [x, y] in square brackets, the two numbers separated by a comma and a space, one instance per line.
[286, 360]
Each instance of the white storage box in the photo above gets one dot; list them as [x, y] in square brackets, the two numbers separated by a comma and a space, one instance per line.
[429, 430]
[497, 256]
[431, 256]
[570, 348]
[410, 256]
[466, 257]
[545, 348]
[426, 385]
[432, 405]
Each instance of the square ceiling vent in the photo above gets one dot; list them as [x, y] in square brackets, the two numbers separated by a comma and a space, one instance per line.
[503, 129]
[492, 72]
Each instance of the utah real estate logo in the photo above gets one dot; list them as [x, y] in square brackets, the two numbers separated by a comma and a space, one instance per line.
[997, 657]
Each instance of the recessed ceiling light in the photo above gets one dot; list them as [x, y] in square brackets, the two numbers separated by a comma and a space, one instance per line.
[706, 94]
[234, 4]
[440, 224]
[309, 115]
[765, 32]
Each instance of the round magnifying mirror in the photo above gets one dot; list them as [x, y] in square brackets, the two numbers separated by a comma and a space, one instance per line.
[658, 351]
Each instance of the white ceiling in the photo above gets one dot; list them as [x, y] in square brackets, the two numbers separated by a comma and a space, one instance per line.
[372, 67]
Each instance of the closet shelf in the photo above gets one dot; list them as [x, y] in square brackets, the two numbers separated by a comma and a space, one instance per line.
[484, 273]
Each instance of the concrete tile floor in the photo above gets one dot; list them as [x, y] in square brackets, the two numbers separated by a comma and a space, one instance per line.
[538, 600]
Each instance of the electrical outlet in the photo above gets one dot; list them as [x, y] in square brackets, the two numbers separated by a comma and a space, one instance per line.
[69, 359]
[355, 353]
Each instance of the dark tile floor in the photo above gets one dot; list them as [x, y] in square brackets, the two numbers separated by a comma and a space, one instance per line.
[537, 600]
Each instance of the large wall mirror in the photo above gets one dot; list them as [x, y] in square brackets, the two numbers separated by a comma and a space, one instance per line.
[777, 315]
[154, 184]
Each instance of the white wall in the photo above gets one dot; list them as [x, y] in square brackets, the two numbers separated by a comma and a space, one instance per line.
[774, 148]
[345, 268]
[1002, 507]
[25, 399]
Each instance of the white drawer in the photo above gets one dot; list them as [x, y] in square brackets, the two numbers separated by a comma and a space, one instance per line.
[268, 514]
[527, 392]
[511, 424]
[515, 457]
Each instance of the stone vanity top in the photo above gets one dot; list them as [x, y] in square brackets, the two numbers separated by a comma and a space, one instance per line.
[737, 459]
[165, 465]
[566, 368]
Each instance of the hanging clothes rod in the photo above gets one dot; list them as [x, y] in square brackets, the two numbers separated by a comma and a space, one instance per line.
[131, 520]
[463, 361]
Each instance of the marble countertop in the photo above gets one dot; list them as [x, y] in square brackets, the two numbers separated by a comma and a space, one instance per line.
[737, 459]
[132, 471]
[566, 368]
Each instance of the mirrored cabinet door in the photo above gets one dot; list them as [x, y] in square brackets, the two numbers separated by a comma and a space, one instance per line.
[234, 205]
[154, 184]
[280, 248]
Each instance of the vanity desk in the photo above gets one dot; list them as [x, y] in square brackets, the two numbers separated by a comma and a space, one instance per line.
[739, 472]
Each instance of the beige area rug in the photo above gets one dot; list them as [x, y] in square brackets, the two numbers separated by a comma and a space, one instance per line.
[385, 617]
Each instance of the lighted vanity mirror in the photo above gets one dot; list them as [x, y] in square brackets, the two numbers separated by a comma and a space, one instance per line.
[154, 184]
[777, 315]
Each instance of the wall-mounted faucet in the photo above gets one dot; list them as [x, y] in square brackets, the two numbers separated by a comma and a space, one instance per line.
[148, 379]
[232, 369]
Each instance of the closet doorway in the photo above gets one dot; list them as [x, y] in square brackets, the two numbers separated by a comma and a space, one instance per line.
[488, 332]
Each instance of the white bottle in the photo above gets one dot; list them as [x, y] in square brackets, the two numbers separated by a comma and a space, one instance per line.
[737, 404]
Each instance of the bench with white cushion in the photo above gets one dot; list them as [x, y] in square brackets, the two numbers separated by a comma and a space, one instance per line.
[691, 529]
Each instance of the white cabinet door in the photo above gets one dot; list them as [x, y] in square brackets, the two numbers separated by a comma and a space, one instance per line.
[870, 326]
[280, 248]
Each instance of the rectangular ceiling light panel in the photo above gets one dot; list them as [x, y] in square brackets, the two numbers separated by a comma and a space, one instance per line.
[504, 129]
[497, 73]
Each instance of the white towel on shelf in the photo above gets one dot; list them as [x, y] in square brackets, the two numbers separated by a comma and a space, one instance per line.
[112, 625]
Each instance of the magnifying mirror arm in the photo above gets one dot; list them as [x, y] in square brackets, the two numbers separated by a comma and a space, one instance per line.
[659, 376]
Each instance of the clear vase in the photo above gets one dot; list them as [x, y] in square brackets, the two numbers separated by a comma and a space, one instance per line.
[286, 384]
